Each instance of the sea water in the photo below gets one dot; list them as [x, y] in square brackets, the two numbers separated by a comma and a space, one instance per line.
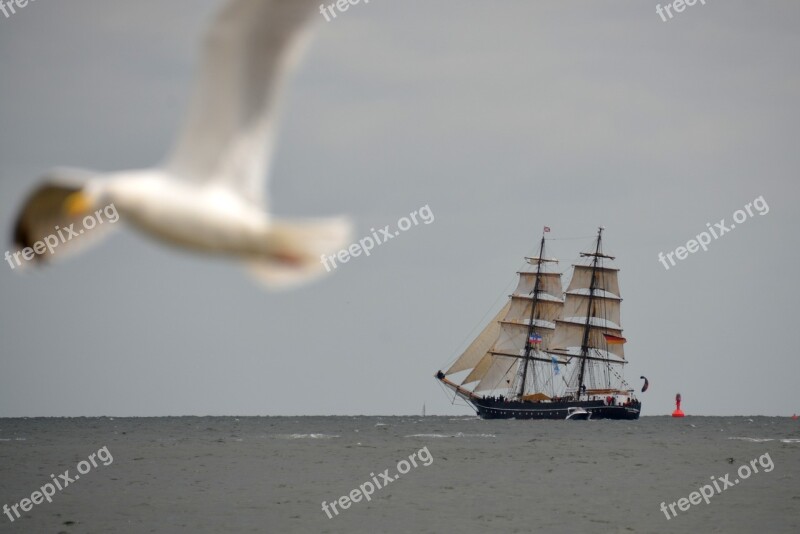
[273, 474]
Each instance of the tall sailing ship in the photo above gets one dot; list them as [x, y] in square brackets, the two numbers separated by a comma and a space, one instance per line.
[550, 353]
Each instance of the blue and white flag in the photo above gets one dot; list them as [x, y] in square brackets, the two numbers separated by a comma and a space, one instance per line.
[555, 364]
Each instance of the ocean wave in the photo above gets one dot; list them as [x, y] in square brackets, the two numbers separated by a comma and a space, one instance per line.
[306, 436]
[456, 435]
[762, 440]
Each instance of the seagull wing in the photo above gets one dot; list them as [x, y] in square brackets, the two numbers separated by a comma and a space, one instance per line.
[251, 48]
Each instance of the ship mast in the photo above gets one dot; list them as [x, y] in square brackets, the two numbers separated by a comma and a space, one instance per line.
[569, 324]
[503, 355]
[590, 310]
[528, 346]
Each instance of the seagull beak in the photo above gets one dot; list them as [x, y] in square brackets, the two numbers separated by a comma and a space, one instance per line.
[77, 204]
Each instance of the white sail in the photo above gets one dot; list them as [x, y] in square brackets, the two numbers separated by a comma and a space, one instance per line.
[494, 355]
[480, 370]
[548, 345]
[605, 279]
[502, 356]
[514, 336]
[481, 345]
[549, 284]
[546, 310]
[499, 375]
[569, 334]
[607, 308]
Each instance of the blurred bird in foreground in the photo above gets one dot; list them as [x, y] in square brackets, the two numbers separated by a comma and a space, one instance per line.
[209, 195]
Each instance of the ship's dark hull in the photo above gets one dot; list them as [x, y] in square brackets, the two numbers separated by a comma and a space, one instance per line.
[492, 409]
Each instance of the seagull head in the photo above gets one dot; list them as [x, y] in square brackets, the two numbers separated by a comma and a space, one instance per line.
[86, 200]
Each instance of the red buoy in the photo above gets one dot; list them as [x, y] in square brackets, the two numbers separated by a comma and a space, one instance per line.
[678, 412]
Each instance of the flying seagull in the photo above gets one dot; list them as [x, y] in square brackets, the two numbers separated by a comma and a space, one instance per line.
[209, 194]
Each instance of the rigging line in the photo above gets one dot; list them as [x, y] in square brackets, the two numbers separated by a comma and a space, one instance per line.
[502, 377]
[622, 380]
[569, 238]
[469, 335]
[447, 392]
[574, 261]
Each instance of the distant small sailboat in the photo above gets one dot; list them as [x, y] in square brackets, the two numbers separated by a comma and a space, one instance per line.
[423, 409]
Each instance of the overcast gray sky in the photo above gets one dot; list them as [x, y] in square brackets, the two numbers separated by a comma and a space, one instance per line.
[502, 116]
